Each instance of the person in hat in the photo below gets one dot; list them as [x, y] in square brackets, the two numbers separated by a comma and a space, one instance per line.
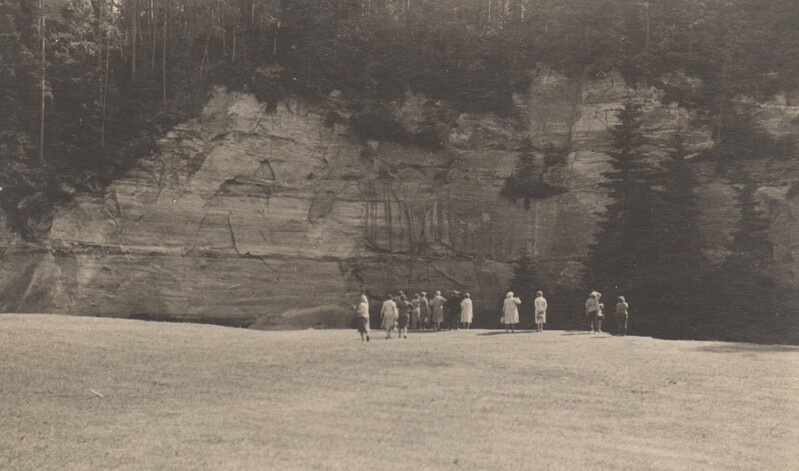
[621, 316]
[540, 311]
[452, 309]
[424, 310]
[362, 312]
[403, 316]
[592, 309]
[466, 311]
[510, 312]
[437, 306]
[416, 320]
[388, 315]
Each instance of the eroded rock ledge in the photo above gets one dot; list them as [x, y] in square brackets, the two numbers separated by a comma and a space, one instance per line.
[279, 219]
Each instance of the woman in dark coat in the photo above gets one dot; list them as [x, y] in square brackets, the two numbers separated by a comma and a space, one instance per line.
[404, 316]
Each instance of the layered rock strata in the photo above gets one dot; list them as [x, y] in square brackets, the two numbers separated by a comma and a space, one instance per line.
[279, 219]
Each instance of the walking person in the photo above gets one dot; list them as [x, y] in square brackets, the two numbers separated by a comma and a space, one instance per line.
[437, 306]
[424, 310]
[540, 311]
[403, 316]
[510, 312]
[466, 311]
[362, 313]
[416, 318]
[388, 315]
[592, 312]
[621, 316]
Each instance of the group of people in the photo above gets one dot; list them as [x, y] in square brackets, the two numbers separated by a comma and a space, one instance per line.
[398, 313]
[510, 311]
[594, 313]
[422, 313]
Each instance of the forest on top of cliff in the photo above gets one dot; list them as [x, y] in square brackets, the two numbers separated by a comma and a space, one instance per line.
[86, 86]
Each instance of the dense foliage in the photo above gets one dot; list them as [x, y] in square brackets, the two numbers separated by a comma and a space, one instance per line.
[87, 84]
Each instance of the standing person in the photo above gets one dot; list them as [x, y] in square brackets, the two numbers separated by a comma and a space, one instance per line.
[424, 310]
[362, 310]
[622, 316]
[592, 310]
[388, 315]
[452, 310]
[403, 316]
[510, 312]
[540, 311]
[416, 319]
[466, 311]
[437, 305]
[600, 315]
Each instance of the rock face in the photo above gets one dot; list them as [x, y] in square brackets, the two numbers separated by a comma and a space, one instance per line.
[279, 219]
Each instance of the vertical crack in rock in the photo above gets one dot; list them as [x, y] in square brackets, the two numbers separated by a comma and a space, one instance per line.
[260, 173]
[232, 235]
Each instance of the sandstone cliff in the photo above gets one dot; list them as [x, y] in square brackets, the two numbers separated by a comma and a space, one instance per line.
[280, 218]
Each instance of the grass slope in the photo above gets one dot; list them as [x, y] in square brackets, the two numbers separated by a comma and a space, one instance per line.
[180, 396]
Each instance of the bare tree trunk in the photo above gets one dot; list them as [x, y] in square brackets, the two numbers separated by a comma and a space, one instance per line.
[105, 83]
[163, 53]
[205, 53]
[646, 10]
[43, 24]
[274, 45]
[233, 54]
[134, 24]
[154, 28]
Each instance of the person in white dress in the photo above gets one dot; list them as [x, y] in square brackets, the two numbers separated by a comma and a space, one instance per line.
[388, 315]
[363, 317]
[466, 311]
[540, 311]
[510, 312]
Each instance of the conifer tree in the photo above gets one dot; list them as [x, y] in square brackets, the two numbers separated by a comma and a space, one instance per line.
[616, 260]
[672, 286]
[748, 289]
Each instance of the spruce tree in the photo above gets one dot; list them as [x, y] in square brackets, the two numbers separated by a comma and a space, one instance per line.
[672, 286]
[749, 291]
[615, 263]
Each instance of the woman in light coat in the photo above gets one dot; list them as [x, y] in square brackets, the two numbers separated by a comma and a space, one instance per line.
[510, 312]
[388, 315]
[466, 311]
[362, 310]
[540, 311]
[424, 310]
[437, 305]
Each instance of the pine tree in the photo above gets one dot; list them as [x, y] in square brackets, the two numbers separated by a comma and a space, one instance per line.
[672, 286]
[615, 263]
[748, 289]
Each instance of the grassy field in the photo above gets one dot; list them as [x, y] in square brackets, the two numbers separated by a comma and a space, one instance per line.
[181, 396]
